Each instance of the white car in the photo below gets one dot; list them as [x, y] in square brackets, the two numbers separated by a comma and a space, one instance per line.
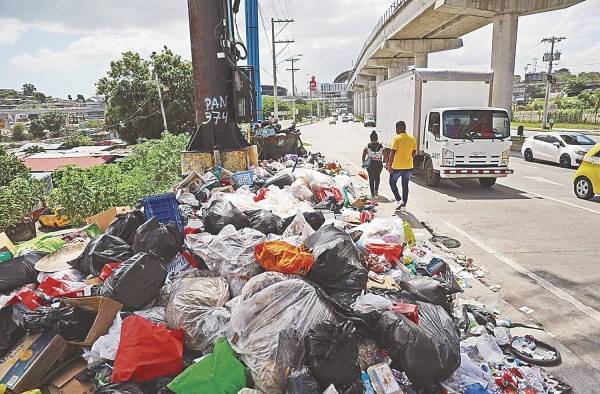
[564, 148]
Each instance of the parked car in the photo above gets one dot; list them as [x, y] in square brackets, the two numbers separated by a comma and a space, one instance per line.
[369, 121]
[345, 119]
[586, 181]
[357, 119]
[564, 148]
[332, 120]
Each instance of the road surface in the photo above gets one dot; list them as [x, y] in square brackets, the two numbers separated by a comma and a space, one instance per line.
[530, 232]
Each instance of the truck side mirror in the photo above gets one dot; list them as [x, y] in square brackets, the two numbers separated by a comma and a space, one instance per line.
[435, 129]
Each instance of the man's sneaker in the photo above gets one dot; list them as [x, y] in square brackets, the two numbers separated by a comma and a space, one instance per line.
[399, 205]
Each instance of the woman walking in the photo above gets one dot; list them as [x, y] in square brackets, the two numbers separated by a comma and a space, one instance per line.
[372, 158]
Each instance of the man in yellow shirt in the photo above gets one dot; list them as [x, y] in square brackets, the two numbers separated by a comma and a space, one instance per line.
[400, 162]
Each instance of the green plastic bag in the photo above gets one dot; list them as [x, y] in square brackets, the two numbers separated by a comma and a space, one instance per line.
[217, 373]
[43, 243]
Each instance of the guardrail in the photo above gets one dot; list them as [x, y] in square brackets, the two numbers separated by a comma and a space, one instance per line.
[391, 11]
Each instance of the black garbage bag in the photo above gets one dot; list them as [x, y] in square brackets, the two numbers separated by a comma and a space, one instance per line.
[119, 388]
[19, 271]
[164, 240]
[10, 333]
[300, 381]
[281, 179]
[429, 352]
[425, 289]
[332, 352]
[125, 225]
[136, 282]
[442, 274]
[103, 249]
[265, 221]
[337, 267]
[220, 214]
[315, 219]
[73, 324]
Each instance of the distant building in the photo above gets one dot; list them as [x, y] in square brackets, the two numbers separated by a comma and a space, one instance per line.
[336, 95]
[267, 90]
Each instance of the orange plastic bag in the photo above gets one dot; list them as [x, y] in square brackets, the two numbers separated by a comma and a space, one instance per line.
[282, 257]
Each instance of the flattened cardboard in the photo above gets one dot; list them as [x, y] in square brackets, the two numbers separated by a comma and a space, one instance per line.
[65, 380]
[6, 244]
[29, 361]
[106, 310]
[104, 219]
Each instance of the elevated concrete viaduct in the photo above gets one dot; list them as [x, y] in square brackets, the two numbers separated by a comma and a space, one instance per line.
[411, 29]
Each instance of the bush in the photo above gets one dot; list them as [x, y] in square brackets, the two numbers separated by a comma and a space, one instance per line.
[11, 167]
[152, 168]
[17, 199]
[74, 141]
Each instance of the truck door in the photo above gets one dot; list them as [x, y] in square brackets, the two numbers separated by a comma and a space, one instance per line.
[432, 138]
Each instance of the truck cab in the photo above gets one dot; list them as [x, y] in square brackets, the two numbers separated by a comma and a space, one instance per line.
[463, 142]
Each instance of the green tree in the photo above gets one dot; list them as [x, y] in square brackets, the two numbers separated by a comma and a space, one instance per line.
[54, 121]
[575, 86]
[18, 132]
[11, 167]
[562, 74]
[34, 149]
[80, 98]
[76, 140]
[268, 105]
[17, 199]
[28, 89]
[37, 127]
[132, 102]
[39, 96]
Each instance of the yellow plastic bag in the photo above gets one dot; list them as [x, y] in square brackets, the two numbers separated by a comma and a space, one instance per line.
[409, 236]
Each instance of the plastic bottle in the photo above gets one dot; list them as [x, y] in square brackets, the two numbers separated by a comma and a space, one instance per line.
[367, 383]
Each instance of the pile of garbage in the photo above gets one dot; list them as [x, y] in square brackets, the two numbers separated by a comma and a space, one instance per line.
[289, 283]
[273, 141]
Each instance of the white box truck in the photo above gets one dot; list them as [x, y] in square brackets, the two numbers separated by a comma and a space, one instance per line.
[458, 133]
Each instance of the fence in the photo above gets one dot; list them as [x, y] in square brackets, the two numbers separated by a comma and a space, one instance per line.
[559, 116]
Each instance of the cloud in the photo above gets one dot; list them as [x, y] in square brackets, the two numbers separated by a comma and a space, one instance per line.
[11, 30]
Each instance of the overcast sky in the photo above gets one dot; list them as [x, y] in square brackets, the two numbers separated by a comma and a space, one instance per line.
[64, 46]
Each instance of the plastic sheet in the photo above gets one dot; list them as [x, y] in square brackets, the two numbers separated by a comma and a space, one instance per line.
[337, 267]
[299, 229]
[219, 373]
[136, 282]
[279, 256]
[196, 306]
[125, 225]
[332, 352]
[231, 253]
[147, 351]
[164, 240]
[301, 191]
[271, 309]
[370, 302]
[483, 348]
[19, 271]
[220, 214]
[265, 221]
[105, 347]
[103, 249]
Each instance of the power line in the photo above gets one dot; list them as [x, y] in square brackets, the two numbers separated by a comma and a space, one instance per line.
[264, 25]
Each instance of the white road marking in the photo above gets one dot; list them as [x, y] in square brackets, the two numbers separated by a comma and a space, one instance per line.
[540, 179]
[565, 202]
[523, 165]
[556, 291]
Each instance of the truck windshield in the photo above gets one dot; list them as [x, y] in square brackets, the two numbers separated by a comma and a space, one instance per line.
[476, 125]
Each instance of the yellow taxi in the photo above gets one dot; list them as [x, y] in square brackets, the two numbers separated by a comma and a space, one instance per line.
[587, 177]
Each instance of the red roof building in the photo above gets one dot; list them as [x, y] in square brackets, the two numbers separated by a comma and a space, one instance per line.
[50, 164]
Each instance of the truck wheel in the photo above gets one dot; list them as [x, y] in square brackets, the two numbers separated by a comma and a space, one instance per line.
[583, 188]
[487, 182]
[432, 178]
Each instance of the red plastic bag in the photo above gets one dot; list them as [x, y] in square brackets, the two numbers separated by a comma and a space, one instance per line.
[261, 195]
[323, 193]
[147, 351]
[366, 216]
[28, 298]
[391, 252]
[54, 288]
[409, 310]
[108, 269]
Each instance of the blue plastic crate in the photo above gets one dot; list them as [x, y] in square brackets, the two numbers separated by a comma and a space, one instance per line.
[243, 178]
[164, 208]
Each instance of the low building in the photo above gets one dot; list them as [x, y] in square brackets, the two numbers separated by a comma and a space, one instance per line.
[267, 90]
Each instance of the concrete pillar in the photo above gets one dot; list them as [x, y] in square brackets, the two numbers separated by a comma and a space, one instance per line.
[504, 47]
[393, 72]
[367, 101]
[359, 96]
[421, 60]
[355, 102]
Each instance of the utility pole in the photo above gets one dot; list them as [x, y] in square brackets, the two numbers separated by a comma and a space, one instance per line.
[274, 43]
[162, 105]
[550, 57]
[293, 70]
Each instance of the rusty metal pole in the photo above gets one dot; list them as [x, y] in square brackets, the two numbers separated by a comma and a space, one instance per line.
[213, 79]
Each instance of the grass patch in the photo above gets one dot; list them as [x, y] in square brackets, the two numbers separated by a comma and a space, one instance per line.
[574, 126]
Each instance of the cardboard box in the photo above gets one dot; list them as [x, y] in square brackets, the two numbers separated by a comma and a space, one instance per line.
[29, 361]
[103, 219]
[6, 244]
[106, 310]
[224, 189]
[64, 381]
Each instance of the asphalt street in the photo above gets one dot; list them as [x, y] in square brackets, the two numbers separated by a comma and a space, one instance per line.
[531, 234]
